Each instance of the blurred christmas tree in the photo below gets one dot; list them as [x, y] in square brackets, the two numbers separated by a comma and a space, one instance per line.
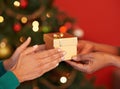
[20, 19]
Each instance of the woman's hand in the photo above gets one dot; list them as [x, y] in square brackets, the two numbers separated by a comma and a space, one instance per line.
[32, 64]
[92, 62]
[9, 63]
[86, 46]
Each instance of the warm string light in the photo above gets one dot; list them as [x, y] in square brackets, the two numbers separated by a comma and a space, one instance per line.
[35, 26]
[24, 20]
[22, 39]
[1, 19]
[16, 3]
[48, 15]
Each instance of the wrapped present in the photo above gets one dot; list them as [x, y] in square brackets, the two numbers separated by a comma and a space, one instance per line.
[65, 41]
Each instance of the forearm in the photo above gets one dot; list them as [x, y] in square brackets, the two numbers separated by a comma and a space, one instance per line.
[116, 61]
[107, 48]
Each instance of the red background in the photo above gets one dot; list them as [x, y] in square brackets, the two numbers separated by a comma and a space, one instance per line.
[100, 21]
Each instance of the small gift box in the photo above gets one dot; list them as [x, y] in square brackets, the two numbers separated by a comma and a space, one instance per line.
[65, 41]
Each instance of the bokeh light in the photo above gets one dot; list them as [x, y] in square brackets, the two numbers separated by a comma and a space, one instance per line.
[24, 20]
[16, 3]
[63, 79]
[1, 19]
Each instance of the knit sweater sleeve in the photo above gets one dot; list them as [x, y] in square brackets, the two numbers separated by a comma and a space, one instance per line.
[2, 69]
[9, 81]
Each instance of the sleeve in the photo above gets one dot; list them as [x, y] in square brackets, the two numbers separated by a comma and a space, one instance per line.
[2, 69]
[9, 81]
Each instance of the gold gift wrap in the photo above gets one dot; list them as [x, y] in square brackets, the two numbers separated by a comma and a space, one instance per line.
[65, 41]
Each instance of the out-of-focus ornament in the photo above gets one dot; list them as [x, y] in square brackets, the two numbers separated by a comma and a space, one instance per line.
[78, 32]
[5, 50]
[68, 25]
[17, 27]
[16, 3]
[63, 29]
[23, 3]
[24, 20]
[1, 19]
[46, 29]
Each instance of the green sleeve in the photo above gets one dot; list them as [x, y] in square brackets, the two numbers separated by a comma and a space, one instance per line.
[2, 69]
[9, 81]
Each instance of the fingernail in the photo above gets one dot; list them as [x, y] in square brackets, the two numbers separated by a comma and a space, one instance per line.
[35, 46]
[63, 58]
[64, 53]
[59, 50]
[57, 64]
[28, 38]
[74, 57]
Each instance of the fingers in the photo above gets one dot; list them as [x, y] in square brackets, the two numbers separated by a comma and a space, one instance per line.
[47, 53]
[30, 50]
[40, 48]
[85, 47]
[49, 66]
[39, 71]
[24, 45]
[77, 58]
[56, 57]
[88, 48]
[77, 66]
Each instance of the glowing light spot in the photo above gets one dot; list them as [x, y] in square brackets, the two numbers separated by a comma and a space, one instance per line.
[35, 29]
[35, 23]
[16, 3]
[63, 79]
[1, 19]
[24, 19]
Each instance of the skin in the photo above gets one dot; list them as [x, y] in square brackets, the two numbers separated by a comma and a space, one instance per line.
[28, 63]
[93, 56]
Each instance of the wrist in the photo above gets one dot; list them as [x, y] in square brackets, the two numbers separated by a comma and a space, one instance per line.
[106, 48]
[6, 64]
[116, 61]
[18, 75]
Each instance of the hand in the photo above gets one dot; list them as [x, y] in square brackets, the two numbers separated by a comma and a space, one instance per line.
[85, 46]
[92, 62]
[9, 63]
[32, 64]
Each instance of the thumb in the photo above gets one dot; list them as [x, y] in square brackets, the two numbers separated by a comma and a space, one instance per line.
[83, 59]
[25, 44]
[87, 49]
[21, 47]
[77, 57]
